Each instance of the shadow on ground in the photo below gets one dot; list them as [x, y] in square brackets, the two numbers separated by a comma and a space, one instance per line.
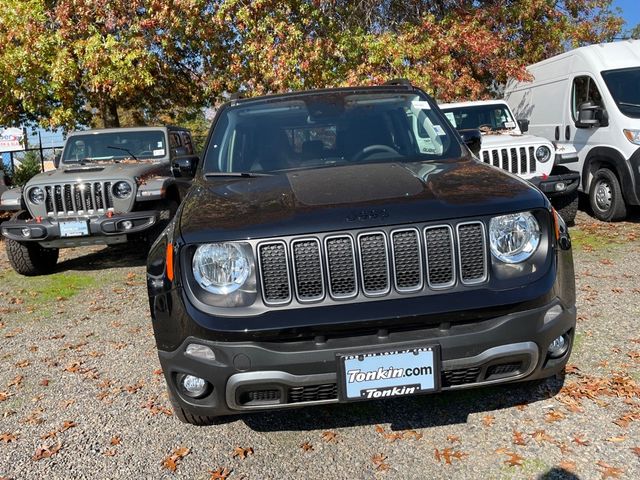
[127, 255]
[446, 408]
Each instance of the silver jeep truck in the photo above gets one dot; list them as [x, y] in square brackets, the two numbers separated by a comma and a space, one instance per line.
[110, 186]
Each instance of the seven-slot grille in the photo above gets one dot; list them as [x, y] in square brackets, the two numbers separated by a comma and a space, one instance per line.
[518, 160]
[78, 198]
[372, 263]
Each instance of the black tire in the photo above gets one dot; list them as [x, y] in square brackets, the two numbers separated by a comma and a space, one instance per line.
[605, 196]
[30, 259]
[170, 206]
[567, 207]
[187, 417]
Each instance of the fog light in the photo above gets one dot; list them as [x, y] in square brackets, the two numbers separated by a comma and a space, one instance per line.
[193, 386]
[559, 346]
[561, 186]
[199, 351]
[127, 224]
[26, 232]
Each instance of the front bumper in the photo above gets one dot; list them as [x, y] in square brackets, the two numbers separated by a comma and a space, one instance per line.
[48, 229]
[556, 185]
[248, 376]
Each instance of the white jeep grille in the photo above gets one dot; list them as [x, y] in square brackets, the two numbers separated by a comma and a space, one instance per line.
[518, 160]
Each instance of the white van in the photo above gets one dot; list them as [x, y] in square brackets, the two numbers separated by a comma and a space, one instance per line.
[506, 145]
[589, 98]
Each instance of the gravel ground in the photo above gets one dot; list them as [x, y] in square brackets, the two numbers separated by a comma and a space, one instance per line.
[81, 394]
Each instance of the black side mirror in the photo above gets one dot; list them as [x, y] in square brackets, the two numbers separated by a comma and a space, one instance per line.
[180, 151]
[523, 124]
[56, 159]
[185, 167]
[472, 138]
[591, 115]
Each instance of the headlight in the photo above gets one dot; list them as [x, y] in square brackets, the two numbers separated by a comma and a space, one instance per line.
[36, 195]
[515, 237]
[633, 136]
[543, 154]
[121, 190]
[221, 268]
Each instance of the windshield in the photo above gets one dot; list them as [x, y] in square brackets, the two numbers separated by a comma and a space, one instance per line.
[328, 129]
[490, 117]
[115, 146]
[623, 86]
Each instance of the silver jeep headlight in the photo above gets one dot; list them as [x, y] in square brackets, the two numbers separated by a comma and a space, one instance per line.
[121, 190]
[543, 154]
[221, 268]
[36, 195]
[515, 237]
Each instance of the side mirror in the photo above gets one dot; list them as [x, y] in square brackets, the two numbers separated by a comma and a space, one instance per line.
[185, 167]
[56, 159]
[591, 115]
[523, 124]
[472, 138]
[180, 151]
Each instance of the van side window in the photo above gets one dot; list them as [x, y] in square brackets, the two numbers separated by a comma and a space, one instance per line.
[584, 90]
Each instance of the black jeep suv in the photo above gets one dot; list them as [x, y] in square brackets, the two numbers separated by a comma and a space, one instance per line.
[341, 245]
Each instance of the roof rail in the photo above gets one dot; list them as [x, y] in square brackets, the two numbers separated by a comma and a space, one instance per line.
[404, 82]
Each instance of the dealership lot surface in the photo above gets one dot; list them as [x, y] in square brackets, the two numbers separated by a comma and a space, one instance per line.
[81, 395]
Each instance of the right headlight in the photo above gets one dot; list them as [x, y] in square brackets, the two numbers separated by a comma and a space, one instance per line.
[121, 190]
[221, 268]
[36, 195]
[515, 237]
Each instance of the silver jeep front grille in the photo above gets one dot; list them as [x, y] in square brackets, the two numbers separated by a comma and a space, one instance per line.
[78, 198]
[518, 160]
[375, 264]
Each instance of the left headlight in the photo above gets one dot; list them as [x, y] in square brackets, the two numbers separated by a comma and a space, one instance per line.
[221, 268]
[515, 237]
[543, 154]
[36, 195]
[121, 190]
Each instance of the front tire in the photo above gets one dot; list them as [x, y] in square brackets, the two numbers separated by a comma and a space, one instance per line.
[31, 259]
[605, 197]
[567, 207]
[169, 208]
[187, 417]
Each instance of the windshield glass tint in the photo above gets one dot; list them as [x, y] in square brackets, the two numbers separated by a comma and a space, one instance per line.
[492, 117]
[324, 130]
[149, 144]
[623, 86]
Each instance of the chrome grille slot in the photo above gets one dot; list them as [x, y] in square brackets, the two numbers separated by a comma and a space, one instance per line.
[274, 266]
[307, 268]
[472, 253]
[341, 266]
[518, 160]
[374, 263]
[75, 198]
[407, 260]
[440, 262]
[532, 159]
[514, 160]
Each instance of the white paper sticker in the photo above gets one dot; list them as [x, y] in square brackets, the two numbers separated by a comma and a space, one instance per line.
[439, 130]
[158, 153]
[509, 125]
[160, 144]
[421, 105]
[452, 118]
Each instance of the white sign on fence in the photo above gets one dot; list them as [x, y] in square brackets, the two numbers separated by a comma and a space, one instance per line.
[11, 139]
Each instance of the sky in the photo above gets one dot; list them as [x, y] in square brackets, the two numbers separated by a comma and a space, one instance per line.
[630, 12]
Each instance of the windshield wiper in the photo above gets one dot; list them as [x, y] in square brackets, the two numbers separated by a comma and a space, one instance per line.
[237, 174]
[627, 104]
[122, 149]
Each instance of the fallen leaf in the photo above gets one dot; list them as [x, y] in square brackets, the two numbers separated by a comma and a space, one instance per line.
[514, 460]
[453, 438]
[115, 441]
[636, 450]
[447, 454]
[242, 452]
[609, 471]
[413, 434]
[329, 436]
[110, 452]
[617, 439]
[44, 382]
[172, 461]
[553, 416]
[306, 446]
[541, 436]
[518, 438]
[23, 364]
[4, 396]
[220, 474]
[46, 451]
[379, 461]
[580, 441]
[392, 437]
[488, 420]
[568, 465]
[16, 382]
[8, 437]
[67, 425]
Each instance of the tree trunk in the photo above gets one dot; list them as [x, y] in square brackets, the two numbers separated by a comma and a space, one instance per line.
[109, 113]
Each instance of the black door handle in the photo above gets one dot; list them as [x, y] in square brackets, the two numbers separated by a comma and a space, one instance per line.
[558, 132]
[567, 132]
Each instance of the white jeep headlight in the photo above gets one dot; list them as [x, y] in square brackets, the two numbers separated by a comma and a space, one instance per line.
[515, 237]
[543, 154]
[221, 268]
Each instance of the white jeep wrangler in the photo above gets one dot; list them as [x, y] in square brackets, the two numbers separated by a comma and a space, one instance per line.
[505, 145]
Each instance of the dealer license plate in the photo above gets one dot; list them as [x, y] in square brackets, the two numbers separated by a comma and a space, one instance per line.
[77, 228]
[389, 374]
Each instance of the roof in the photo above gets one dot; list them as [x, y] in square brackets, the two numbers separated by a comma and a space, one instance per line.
[124, 129]
[476, 103]
[605, 56]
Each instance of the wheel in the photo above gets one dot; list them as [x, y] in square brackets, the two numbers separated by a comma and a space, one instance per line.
[168, 208]
[30, 259]
[605, 196]
[187, 417]
[567, 206]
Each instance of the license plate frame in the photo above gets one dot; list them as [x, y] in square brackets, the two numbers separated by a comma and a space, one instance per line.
[73, 228]
[373, 360]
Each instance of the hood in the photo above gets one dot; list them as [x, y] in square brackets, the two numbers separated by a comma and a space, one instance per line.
[349, 197]
[495, 139]
[99, 171]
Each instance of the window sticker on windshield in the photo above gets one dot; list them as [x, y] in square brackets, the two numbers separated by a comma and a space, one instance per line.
[439, 130]
[509, 125]
[452, 119]
[158, 153]
[159, 144]
[421, 105]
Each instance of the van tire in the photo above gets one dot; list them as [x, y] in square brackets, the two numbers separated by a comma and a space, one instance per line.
[605, 196]
[30, 259]
[567, 207]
